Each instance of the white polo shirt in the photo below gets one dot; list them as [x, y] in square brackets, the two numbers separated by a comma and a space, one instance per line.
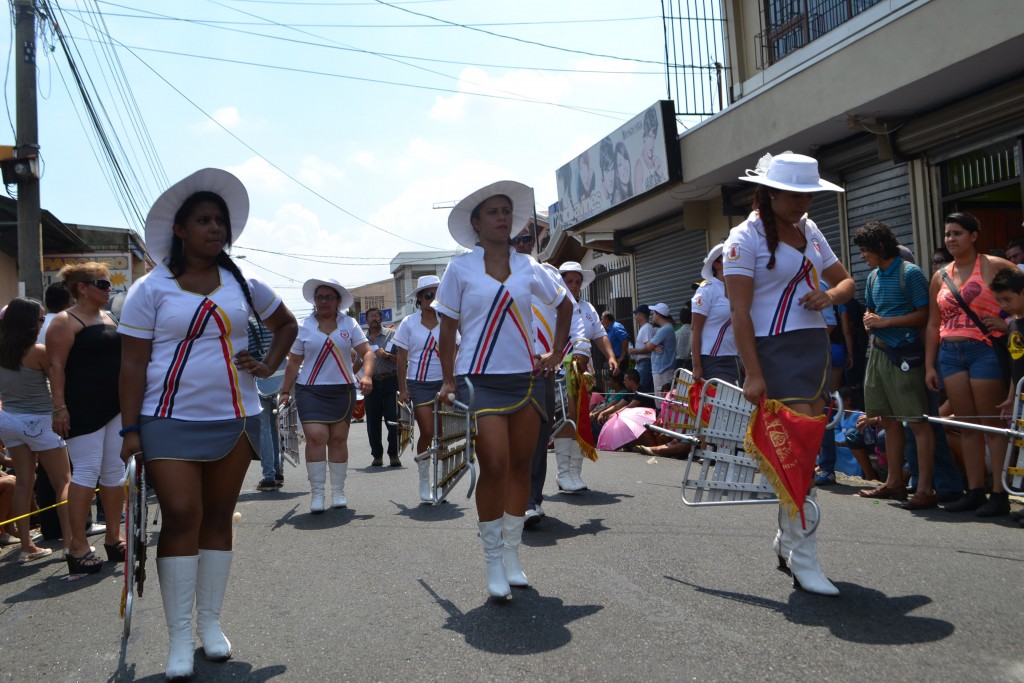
[775, 308]
[191, 373]
[327, 359]
[545, 318]
[710, 301]
[421, 343]
[495, 318]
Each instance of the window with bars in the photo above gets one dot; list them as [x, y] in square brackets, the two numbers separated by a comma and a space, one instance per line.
[792, 24]
[372, 302]
[980, 169]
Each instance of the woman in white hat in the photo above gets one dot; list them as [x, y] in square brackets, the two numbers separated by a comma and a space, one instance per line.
[568, 456]
[773, 263]
[320, 376]
[419, 369]
[189, 404]
[712, 346]
[487, 294]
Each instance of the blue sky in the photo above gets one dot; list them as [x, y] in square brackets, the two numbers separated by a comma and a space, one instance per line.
[271, 89]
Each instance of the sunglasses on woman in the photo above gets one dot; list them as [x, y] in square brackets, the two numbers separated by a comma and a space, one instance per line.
[99, 284]
[429, 296]
[522, 239]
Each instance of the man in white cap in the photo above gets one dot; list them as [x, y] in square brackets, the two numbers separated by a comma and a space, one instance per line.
[568, 455]
[662, 346]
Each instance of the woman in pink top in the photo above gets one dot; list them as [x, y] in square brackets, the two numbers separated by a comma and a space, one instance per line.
[963, 355]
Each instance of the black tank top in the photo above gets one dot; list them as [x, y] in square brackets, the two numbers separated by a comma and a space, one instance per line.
[91, 378]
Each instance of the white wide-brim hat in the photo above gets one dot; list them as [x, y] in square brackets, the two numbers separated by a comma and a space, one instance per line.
[424, 282]
[160, 220]
[708, 270]
[459, 220]
[309, 288]
[788, 171]
[575, 267]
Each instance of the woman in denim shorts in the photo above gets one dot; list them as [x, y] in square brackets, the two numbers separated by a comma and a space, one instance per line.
[964, 357]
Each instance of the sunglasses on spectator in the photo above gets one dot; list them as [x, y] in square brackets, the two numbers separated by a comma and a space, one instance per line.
[938, 261]
[99, 284]
[522, 239]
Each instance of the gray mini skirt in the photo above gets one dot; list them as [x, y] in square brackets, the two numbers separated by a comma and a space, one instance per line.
[725, 368]
[165, 438]
[423, 393]
[504, 394]
[795, 365]
[326, 403]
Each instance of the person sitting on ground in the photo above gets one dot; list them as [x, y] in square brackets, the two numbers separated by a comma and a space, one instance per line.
[632, 399]
[665, 446]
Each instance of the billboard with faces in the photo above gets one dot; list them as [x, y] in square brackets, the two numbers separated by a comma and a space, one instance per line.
[634, 159]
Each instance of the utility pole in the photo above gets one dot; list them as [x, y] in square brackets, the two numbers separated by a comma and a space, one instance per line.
[30, 248]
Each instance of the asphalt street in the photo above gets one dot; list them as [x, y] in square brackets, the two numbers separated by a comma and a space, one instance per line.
[628, 584]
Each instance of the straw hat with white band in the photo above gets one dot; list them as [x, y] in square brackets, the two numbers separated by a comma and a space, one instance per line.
[789, 171]
[574, 267]
[309, 288]
[460, 223]
[424, 282]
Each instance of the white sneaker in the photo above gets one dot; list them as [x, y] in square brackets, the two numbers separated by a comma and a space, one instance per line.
[533, 516]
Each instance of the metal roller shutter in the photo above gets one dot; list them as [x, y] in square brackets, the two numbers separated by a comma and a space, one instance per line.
[825, 214]
[879, 192]
[666, 268]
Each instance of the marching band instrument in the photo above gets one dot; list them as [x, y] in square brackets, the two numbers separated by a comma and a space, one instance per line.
[406, 424]
[136, 536]
[562, 415]
[452, 451]
[289, 431]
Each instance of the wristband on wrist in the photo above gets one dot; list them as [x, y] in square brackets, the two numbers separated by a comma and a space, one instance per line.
[59, 408]
[128, 430]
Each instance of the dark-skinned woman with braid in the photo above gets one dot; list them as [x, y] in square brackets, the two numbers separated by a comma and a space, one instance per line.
[189, 404]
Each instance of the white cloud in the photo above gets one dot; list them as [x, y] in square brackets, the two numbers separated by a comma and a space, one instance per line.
[319, 174]
[227, 117]
[364, 158]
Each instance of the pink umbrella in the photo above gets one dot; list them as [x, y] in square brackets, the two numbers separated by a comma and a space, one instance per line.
[623, 427]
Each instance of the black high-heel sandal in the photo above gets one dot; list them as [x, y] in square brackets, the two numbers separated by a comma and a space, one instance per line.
[115, 551]
[89, 563]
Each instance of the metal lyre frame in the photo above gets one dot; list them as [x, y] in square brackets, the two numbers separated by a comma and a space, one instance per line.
[561, 416]
[452, 452]
[289, 432]
[1013, 463]
[136, 536]
[406, 425]
[718, 471]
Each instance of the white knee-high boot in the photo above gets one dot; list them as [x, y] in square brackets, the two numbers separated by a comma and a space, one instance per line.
[563, 459]
[424, 468]
[576, 459]
[512, 536]
[803, 558]
[177, 576]
[211, 582]
[339, 470]
[781, 544]
[490, 535]
[317, 473]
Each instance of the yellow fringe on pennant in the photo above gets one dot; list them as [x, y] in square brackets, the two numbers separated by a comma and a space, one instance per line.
[578, 383]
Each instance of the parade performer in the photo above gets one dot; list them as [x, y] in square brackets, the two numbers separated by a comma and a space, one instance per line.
[324, 385]
[773, 262]
[419, 369]
[568, 452]
[487, 293]
[84, 349]
[189, 403]
[544, 318]
[712, 346]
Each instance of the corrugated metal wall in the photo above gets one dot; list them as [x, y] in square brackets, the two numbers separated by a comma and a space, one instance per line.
[666, 268]
[879, 192]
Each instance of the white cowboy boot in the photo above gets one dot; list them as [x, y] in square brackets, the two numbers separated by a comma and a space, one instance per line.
[512, 535]
[317, 473]
[177, 576]
[490, 535]
[803, 560]
[424, 468]
[563, 456]
[339, 470]
[576, 459]
[211, 582]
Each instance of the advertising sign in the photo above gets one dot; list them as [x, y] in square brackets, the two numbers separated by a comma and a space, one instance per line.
[385, 316]
[118, 263]
[638, 157]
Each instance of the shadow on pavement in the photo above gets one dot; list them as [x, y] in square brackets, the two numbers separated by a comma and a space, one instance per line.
[859, 614]
[430, 513]
[329, 519]
[248, 496]
[590, 498]
[232, 670]
[550, 531]
[527, 624]
[54, 584]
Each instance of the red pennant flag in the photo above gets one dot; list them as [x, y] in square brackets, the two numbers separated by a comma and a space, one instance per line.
[584, 434]
[785, 445]
[693, 397]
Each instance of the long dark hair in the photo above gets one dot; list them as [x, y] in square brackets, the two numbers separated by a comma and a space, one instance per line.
[763, 206]
[176, 261]
[18, 331]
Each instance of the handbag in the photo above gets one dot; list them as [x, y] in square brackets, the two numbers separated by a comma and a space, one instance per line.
[1002, 352]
